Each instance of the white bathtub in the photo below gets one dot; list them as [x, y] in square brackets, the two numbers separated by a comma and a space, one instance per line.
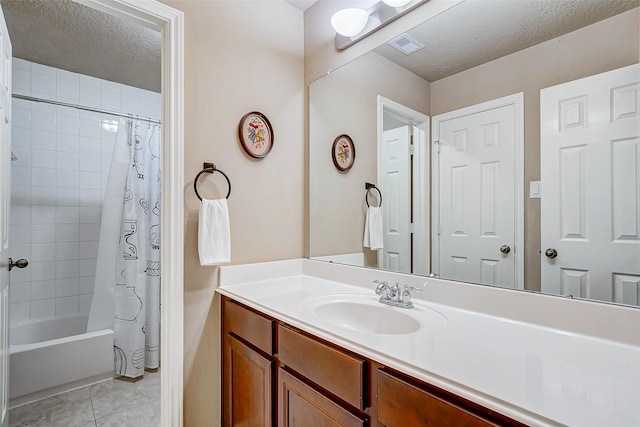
[51, 356]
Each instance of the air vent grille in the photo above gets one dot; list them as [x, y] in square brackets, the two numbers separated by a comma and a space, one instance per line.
[406, 44]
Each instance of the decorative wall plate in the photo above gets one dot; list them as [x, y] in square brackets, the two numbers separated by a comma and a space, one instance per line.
[343, 153]
[256, 134]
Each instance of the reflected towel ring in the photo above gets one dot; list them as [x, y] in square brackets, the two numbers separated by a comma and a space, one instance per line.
[210, 168]
[368, 186]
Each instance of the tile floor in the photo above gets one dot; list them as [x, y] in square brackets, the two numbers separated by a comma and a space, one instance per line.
[110, 403]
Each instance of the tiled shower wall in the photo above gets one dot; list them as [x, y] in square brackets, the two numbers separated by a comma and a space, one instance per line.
[58, 183]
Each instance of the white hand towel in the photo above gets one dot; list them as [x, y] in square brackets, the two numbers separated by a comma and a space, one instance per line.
[214, 234]
[373, 228]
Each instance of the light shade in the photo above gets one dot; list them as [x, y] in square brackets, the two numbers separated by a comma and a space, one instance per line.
[349, 22]
[396, 3]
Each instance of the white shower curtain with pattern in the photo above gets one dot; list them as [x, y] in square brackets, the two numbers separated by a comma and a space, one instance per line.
[137, 279]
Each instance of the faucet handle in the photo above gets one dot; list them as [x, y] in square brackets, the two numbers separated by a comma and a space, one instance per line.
[412, 288]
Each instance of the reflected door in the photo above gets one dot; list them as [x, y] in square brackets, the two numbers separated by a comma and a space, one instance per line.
[590, 207]
[476, 202]
[396, 210]
[5, 199]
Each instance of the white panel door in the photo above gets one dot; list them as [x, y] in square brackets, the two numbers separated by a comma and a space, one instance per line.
[396, 199]
[5, 200]
[476, 164]
[590, 161]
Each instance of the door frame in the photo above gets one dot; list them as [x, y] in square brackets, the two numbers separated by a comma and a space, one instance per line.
[421, 249]
[517, 101]
[156, 15]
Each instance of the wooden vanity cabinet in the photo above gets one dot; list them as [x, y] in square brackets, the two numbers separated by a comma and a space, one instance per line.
[275, 374]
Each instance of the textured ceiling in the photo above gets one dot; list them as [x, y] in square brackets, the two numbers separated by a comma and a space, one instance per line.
[476, 31]
[67, 35]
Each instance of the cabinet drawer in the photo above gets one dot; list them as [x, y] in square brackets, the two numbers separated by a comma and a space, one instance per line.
[302, 405]
[249, 325]
[341, 373]
[401, 404]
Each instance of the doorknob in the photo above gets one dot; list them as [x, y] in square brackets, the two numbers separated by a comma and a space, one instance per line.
[551, 253]
[505, 249]
[21, 263]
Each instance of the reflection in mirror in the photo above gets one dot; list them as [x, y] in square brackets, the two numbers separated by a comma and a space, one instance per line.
[506, 150]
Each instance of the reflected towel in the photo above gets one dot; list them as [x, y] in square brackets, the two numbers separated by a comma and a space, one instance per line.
[214, 234]
[373, 228]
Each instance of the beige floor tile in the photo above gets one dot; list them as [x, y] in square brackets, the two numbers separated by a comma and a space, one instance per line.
[146, 415]
[115, 396]
[68, 409]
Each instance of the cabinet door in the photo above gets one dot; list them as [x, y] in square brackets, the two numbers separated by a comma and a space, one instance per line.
[248, 379]
[303, 406]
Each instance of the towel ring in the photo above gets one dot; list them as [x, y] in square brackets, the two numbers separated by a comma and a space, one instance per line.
[368, 186]
[210, 168]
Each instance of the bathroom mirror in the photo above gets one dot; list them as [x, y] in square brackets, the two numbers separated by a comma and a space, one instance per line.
[483, 57]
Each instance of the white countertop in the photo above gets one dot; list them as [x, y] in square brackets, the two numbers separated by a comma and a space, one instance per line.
[538, 375]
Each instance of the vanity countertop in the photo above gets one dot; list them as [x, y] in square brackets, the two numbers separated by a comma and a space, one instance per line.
[539, 375]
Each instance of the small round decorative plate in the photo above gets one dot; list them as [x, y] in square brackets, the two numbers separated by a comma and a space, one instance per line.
[256, 134]
[343, 153]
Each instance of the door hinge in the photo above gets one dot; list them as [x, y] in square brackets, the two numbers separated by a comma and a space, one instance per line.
[411, 149]
[438, 229]
[412, 228]
[437, 144]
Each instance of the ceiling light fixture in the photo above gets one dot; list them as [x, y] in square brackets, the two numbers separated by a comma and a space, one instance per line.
[353, 24]
[349, 22]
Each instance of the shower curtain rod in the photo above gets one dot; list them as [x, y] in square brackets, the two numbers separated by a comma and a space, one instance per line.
[80, 107]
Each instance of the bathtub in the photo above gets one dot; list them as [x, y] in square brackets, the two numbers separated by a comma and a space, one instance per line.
[51, 356]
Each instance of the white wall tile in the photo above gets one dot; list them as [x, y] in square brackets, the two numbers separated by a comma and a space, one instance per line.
[22, 250]
[67, 179]
[43, 234]
[84, 303]
[43, 289]
[67, 197]
[23, 154]
[42, 177]
[86, 284]
[20, 64]
[66, 287]
[68, 91]
[110, 96]
[41, 158]
[89, 232]
[21, 175]
[66, 232]
[19, 312]
[89, 145]
[91, 81]
[90, 215]
[68, 160]
[43, 139]
[43, 69]
[20, 275]
[21, 233]
[21, 81]
[20, 137]
[43, 309]
[66, 269]
[90, 180]
[65, 142]
[68, 125]
[88, 250]
[43, 85]
[43, 121]
[67, 111]
[89, 163]
[67, 215]
[42, 270]
[43, 215]
[67, 75]
[66, 305]
[41, 252]
[19, 292]
[90, 95]
[20, 195]
[90, 197]
[67, 251]
[89, 127]
[43, 107]
[20, 117]
[87, 267]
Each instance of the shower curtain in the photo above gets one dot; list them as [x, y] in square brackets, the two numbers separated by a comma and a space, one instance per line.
[127, 287]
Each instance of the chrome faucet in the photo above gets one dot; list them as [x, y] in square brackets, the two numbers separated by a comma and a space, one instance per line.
[392, 296]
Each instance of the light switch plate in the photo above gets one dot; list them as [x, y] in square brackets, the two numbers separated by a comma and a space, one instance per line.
[534, 189]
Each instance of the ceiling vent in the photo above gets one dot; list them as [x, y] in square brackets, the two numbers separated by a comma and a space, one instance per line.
[406, 44]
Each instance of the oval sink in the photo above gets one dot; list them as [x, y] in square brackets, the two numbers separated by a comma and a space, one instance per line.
[362, 313]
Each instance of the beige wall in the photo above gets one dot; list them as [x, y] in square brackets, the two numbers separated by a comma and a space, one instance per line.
[604, 46]
[345, 102]
[240, 56]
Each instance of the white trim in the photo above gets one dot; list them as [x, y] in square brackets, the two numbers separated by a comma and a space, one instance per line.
[170, 21]
[421, 215]
[517, 100]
